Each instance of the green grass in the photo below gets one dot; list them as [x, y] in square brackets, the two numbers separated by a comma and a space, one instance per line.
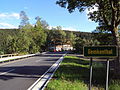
[66, 85]
[114, 85]
[73, 74]
[67, 77]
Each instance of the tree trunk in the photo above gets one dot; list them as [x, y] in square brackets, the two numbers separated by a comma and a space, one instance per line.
[117, 60]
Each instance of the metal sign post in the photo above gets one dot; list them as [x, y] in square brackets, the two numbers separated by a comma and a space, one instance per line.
[90, 82]
[100, 51]
[107, 74]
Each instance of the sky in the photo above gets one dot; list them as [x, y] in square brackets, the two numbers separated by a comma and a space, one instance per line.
[47, 10]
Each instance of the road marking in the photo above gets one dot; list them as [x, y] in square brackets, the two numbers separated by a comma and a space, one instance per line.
[46, 76]
[37, 60]
[7, 72]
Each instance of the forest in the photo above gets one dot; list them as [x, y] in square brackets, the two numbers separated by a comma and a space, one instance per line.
[35, 38]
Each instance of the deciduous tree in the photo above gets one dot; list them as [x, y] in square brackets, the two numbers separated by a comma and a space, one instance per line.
[39, 34]
[24, 19]
[107, 15]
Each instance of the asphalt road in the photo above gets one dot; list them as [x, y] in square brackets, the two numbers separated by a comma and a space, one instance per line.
[21, 74]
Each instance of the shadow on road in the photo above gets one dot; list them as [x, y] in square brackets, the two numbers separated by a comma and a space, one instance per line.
[32, 70]
[22, 72]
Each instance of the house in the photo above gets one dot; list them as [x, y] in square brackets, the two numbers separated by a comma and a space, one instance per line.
[58, 48]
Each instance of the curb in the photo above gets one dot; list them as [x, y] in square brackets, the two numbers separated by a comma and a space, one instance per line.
[41, 83]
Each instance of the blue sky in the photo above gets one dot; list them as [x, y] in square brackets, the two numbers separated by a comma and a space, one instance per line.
[47, 10]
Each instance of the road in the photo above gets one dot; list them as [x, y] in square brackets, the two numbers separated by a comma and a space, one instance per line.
[21, 74]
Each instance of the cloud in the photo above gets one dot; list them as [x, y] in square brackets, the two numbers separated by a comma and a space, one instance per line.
[69, 28]
[65, 28]
[6, 25]
[9, 15]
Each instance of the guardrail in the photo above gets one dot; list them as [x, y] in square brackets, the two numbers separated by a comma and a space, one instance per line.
[14, 57]
[8, 55]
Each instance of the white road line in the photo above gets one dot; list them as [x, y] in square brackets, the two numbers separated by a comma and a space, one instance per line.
[37, 60]
[36, 85]
[7, 72]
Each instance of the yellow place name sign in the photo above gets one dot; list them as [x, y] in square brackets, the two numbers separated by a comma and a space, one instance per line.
[90, 51]
[100, 51]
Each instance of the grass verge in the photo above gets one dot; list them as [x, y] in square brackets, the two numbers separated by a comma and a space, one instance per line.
[73, 74]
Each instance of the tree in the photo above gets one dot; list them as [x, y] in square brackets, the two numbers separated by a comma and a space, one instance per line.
[104, 38]
[70, 38]
[61, 36]
[12, 44]
[38, 22]
[24, 19]
[56, 36]
[108, 16]
[45, 25]
[39, 35]
[80, 43]
[7, 42]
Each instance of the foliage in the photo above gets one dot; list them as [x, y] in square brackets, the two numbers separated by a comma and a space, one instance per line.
[107, 15]
[80, 43]
[26, 39]
[32, 39]
[104, 38]
[70, 38]
[44, 24]
[114, 85]
[5, 39]
[39, 35]
[24, 19]
[57, 36]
